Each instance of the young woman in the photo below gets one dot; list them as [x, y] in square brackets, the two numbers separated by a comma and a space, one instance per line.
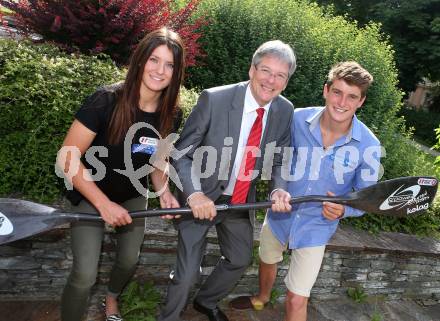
[149, 95]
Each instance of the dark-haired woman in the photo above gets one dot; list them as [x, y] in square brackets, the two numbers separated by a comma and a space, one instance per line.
[147, 98]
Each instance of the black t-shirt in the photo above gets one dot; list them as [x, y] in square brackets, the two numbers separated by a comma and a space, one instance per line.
[95, 114]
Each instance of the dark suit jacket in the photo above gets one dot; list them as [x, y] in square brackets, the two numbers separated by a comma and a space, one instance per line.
[217, 115]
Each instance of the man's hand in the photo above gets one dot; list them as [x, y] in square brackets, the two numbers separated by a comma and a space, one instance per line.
[202, 207]
[167, 200]
[332, 211]
[281, 200]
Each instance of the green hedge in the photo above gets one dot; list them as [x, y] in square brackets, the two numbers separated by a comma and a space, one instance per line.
[237, 28]
[424, 124]
[41, 89]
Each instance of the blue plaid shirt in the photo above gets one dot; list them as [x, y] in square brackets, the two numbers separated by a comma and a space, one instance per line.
[350, 164]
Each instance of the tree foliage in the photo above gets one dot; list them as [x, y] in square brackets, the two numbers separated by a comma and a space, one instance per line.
[113, 27]
[414, 30]
[237, 28]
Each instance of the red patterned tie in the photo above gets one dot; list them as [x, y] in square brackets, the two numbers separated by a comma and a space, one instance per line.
[241, 188]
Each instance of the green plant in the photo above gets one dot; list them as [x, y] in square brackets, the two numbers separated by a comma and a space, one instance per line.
[437, 145]
[275, 293]
[41, 89]
[357, 294]
[377, 316]
[139, 302]
[434, 98]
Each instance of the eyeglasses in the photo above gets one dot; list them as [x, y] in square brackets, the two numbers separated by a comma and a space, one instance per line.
[279, 77]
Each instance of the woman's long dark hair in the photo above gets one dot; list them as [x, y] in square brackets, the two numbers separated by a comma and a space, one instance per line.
[129, 94]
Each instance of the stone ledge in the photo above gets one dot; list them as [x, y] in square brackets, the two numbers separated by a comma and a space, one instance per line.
[346, 238]
[349, 238]
[388, 265]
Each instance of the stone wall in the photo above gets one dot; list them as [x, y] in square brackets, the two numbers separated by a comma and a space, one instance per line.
[390, 265]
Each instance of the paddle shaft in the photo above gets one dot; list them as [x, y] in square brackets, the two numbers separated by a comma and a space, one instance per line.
[219, 208]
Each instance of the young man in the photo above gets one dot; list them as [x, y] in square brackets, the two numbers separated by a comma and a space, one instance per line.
[227, 134]
[334, 153]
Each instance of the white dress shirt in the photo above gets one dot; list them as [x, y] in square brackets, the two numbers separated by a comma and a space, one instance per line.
[248, 119]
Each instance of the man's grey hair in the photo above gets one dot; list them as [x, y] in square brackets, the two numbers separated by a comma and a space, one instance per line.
[278, 49]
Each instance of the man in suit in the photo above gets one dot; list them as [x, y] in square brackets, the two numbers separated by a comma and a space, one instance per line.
[231, 132]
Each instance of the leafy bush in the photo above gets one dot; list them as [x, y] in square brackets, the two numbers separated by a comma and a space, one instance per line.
[377, 316]
[41, 89]
[237, 28]
[113, 27]
[423, 122]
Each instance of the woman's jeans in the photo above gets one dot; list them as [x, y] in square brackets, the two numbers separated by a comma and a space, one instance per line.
[86, 242]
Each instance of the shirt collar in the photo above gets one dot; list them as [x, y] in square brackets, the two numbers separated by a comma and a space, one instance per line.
[250, 104]
[353, 133]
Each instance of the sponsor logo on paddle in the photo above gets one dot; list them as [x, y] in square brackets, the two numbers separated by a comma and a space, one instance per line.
[427, 181]
[417, 208]
[6, 226]
[402, 197]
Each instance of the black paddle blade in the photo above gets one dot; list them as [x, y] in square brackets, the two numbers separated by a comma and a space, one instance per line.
[20, 219]
[404, 196]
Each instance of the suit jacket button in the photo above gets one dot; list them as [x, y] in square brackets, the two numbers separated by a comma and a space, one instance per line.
[222, 187]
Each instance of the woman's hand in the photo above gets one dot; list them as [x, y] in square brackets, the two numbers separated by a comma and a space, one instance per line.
[167, 200]
[114, 214]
